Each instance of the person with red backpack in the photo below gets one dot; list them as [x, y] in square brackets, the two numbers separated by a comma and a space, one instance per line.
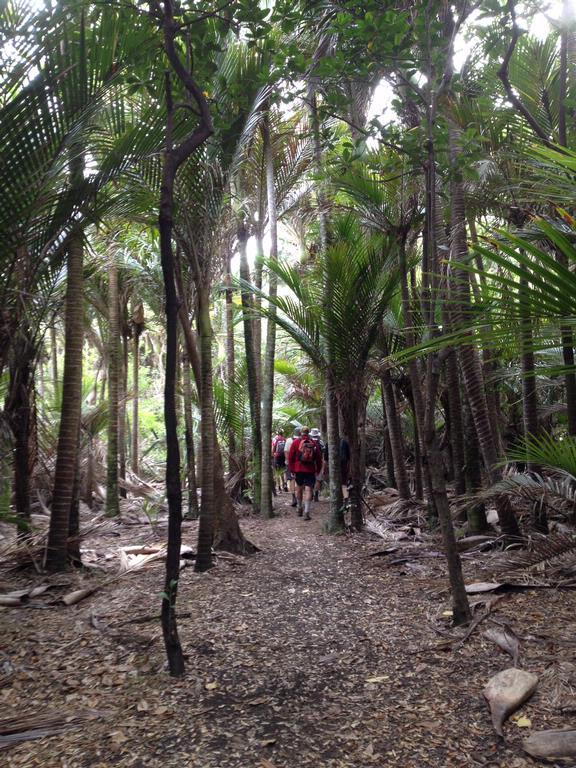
[305, 462]
[279, 459]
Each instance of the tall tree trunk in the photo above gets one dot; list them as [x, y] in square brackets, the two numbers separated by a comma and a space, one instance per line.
[122, 420]
[193, 508]
[208, 436]
[566, 332]
[54, 358]
[230, 358]
[469, 358]
[395, 432]
[114, 374]
[475, 512]
[19, 409]
[456, 424]
[253, 391]
[257, 321]
[349, 404]
[268, 371]
[174, 156]
[227, 532]
[74, 554]
[68, 447]
[137, 329]
[388, 458]
[334, 467]
[413, 372]
[332, 400]
[461, 609]
[529, 392]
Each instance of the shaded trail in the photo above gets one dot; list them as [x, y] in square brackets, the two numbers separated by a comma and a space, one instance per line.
[280, 650]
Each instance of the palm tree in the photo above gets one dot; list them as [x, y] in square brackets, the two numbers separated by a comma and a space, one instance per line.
[359, 274]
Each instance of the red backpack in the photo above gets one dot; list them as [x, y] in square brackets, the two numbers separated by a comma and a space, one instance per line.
[306, 450]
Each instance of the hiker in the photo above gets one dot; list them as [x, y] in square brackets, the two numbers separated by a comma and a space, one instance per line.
[305, 461]
[290, 475]
[279, 460]
[316, 435]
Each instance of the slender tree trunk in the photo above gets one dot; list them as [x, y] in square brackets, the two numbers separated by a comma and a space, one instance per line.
[89, 481]
[334, 468]
[461, 609]
[207, 509]
[19, 410]
[253, 392]
[68, 448]
[413, 372]
[395, 432]
[122, 420]
[74, 554]
[388, 458]
[137, 328]
[54, 358]
[349, 404]
[475, 512]
[114, 374]
[456, 424]
[230, 358]
[268, 371]
[173, 488]
[257, 321]
[529, 392]
[174, 156]
[193, 508]
[227, 532]
[469, 358]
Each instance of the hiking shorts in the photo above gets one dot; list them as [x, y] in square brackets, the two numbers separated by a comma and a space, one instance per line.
[280, 462]
[289, 475]
[306, 478]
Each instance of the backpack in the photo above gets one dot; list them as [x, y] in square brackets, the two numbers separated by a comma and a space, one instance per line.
[279, 448]
[306, 451]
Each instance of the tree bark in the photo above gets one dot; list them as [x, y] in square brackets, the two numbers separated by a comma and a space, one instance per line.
[68, 447]
[334, 468]
[230, 357]
[174, 156]
[207, 508]
[268, 370]
[19, 409]
[388, 459]
[395, 432]
[253, 390]
[114, 374]
[469, 358]
[193, 507]
[137, 329]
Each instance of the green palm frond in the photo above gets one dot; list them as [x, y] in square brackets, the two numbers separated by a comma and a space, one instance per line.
[548, 451]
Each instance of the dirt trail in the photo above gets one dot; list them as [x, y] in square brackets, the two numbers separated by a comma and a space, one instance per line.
[310, 653]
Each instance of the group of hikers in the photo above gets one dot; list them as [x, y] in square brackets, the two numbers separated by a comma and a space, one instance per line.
[301, 466]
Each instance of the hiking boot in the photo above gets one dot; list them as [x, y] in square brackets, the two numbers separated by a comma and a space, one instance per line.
[307, 516]
[315, 495]
[300, 511]
[294, 501]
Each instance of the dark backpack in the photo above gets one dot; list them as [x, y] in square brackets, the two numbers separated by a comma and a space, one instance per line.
[306, 451]
[279, 448]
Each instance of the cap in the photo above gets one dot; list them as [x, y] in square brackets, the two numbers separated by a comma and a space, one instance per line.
[296, 431]
[315, 432]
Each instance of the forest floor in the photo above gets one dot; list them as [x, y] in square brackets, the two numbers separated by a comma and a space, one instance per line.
[312, 653]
